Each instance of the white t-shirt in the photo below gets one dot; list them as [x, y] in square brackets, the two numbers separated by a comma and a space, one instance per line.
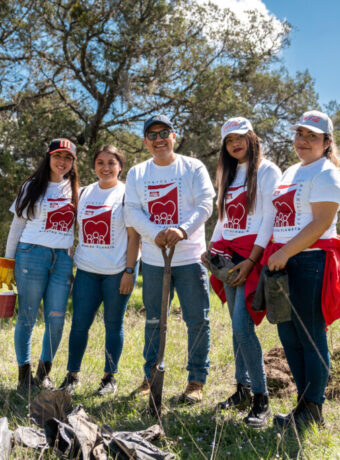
[177, 195]
[236, 222]
[301, 185]
[102, 232]
[53, 222]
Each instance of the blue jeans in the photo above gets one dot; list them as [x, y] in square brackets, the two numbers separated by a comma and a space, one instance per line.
[305, 271]
[249, 365]
[89, 291]
[41, 273]
[192, 286]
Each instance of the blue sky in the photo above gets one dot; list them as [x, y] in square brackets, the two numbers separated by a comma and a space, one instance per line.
[315, 41]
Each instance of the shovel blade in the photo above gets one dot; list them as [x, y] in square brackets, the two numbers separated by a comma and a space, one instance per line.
[156, 390]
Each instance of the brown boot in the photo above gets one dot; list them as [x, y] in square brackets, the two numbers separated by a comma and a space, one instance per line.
[192, 394]
[41, 377]
[25, 379]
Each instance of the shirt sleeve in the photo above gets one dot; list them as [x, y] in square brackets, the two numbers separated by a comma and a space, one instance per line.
[326, 187]
[17, 227]
[203, 193]
[134, 213]
[269, 181]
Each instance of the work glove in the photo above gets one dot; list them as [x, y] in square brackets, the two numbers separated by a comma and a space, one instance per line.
[7, 272]
[220, 267]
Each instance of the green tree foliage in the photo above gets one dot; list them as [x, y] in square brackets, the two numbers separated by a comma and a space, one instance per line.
[93, 70]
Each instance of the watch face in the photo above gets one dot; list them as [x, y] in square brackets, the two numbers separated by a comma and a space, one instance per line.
[129, 270]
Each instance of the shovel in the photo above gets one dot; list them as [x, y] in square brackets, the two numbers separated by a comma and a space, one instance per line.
[157, 374]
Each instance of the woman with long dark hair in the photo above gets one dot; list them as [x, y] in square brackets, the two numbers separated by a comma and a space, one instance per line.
[40, 236]
[245, 220]
[106, 260]
[306, 244]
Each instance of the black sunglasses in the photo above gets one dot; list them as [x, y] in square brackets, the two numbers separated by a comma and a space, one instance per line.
[163, 134]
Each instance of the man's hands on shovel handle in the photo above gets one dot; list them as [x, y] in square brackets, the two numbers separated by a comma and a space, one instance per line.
[169, 237]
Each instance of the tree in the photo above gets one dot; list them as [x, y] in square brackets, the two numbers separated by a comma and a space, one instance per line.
[122, 60]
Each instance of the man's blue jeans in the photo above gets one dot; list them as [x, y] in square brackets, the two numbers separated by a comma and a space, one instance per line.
[41, 273]
[305, 272]
[249, 365]
[192, 286]
[89, 291]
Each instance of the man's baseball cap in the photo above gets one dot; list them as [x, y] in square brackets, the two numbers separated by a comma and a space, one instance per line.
[237, 125]
[58, 145]
[315, 121]
[156, 119]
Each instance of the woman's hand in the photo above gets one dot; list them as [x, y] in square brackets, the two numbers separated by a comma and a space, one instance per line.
[278, 260]
[126, 283]
[244, 268]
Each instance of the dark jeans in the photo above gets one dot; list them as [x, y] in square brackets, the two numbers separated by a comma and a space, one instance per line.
[305, 271]
[89, 291]
[192, 285]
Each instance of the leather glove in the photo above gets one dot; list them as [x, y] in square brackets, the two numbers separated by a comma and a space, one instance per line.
[220, 267]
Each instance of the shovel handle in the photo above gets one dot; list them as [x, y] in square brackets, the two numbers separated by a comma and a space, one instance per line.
[165, 302]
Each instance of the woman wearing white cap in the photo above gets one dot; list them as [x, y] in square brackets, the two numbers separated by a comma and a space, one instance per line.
[41, 233]
[306, 244]
[245, 182]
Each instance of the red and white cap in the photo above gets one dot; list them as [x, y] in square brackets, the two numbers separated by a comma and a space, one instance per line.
[315, 121]
[58, 145]
[237, 125]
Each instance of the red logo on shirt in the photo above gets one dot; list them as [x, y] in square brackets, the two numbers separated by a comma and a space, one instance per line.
[235, 211]
[61, 219]
[96, 230]
[163, 210]
[285, 210]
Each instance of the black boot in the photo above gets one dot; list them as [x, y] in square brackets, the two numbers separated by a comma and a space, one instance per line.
[259, 413]
[241, 399]
[312, 412]
[25, 380]
[41, 377]
[284, 420]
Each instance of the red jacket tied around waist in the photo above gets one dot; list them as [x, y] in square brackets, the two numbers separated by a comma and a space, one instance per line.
[330, 300]
[242, 246]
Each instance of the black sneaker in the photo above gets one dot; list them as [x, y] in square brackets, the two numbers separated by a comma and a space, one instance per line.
[108, 385]
[259, 413]
[69, 383]
[241, 400]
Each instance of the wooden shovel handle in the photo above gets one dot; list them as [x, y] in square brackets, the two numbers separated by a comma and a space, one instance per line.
[165, 302]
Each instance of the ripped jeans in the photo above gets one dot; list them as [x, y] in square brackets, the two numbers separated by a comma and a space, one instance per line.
[41, 273]
[192, 286]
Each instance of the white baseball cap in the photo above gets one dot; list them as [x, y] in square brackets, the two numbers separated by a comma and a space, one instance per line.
[315, 121]
[238, 125]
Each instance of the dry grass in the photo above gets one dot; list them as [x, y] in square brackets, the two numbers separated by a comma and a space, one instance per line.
[191, 432]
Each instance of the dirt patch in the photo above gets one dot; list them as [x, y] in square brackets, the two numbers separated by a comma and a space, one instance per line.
[280, 380]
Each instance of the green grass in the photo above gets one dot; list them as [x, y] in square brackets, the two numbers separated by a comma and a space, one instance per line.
[191, 432]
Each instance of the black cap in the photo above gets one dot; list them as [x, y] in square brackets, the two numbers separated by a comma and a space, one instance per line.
[62, 144]
[158, 119]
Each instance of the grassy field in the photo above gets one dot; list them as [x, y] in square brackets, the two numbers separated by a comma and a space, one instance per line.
[191, 432]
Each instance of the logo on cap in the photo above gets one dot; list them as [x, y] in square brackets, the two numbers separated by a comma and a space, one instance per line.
[65, 143]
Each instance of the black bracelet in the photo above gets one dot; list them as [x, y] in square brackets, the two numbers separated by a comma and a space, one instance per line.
[251, 260]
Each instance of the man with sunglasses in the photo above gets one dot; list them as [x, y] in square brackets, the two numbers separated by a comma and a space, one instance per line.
[168, 198]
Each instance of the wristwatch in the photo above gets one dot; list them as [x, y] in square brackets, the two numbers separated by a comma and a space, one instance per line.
[129, 270]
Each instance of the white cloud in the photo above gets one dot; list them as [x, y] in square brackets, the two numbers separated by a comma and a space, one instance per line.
[240, 9]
